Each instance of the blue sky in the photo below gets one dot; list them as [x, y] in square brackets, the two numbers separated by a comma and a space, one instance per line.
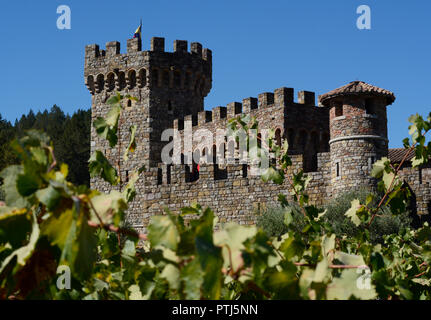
[257, 46]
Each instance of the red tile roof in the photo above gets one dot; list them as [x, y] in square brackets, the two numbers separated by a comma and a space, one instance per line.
[396, 155]
[356, 88]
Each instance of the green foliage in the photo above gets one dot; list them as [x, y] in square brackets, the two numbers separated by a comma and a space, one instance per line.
[386, 224]
[273, 220]
[49, 222]
[70, 136]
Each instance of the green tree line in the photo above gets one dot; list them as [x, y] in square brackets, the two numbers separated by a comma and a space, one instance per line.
[70, 135]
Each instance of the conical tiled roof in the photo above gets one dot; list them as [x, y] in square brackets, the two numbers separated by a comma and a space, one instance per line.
[357, 88]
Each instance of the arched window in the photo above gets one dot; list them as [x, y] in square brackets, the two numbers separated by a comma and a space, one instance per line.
[100, 83]
[278, 137]
[142, 78]
[131, 79]
[369, 106]
[90, 83]
[121, 81]
[338, 109]
[110, 81]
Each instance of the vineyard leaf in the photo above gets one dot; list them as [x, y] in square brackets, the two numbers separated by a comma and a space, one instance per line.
[14, 226]
[192, 278]
[132, 143]
[23, 253]
[172, 275]
[350, 284]
[231, 238]
[49, 196]
[57, 227]
[99, 165]
[135, 293]
[110, 207]
[13, 197]
[85, 250]
[106, 128]
[163, 232]
[351, 213]
[27, 184]
[129, 191]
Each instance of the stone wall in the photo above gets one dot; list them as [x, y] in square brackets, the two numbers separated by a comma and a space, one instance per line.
[419, 180]
[336, 150]
[236, 197]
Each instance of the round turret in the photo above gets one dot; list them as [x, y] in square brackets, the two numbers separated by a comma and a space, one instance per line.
[358, 132]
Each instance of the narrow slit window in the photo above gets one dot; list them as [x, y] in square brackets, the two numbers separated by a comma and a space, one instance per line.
[338, 109]
[369, 106]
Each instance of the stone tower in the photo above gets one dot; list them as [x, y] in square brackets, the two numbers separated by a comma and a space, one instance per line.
[168, 85]
[358, 133]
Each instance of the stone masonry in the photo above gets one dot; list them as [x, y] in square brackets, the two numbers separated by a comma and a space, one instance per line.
[335, 142]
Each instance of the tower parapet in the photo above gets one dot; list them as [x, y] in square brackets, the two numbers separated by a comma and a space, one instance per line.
[358, 132]
[168, 85]
[155, 68]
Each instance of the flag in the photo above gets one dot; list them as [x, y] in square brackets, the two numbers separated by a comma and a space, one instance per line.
[138, 32]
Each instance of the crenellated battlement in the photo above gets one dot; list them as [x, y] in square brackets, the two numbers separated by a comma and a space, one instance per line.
[281, 97]
[109, 69]
[113, 48]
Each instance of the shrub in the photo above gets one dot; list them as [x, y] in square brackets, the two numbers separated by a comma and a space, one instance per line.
[271, 220]
[383, 225]
[2, 194]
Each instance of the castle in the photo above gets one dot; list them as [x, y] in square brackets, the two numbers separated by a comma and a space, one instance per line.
[335, 142]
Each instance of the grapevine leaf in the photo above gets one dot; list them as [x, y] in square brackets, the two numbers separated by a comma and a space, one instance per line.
[192, 278]
[132, 143]
[49, 196]
[23, 253]
[99, 165]
[15, 224]
[172, 275]
[110, 208]
[57, 227]
[351, 213]
[163, 232]
[350, 284]
[13, 197]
